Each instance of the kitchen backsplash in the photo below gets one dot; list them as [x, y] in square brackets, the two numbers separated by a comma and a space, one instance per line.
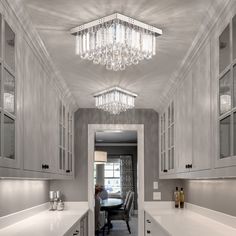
[17, 195]
[216, 194]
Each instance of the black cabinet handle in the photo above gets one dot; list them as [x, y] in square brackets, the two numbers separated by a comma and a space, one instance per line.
[186, 166]
[45, 166]
[148, 231]
[191, 166]
[165, 170]
[67, 171]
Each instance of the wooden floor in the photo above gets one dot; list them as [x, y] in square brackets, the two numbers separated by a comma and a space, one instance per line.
[120, 228]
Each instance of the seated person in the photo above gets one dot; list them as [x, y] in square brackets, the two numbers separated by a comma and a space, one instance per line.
[103, 194]
[97, 209]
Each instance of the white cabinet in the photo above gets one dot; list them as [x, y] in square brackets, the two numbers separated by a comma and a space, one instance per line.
[8, 109]
[201, 111]
[192, 124]
[184, 124]
[29, 137]
[80, 228]
[152, 228]
[167, 141]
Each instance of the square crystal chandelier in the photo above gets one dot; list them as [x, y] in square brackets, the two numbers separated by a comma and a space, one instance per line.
[116, 41]
[115, 100]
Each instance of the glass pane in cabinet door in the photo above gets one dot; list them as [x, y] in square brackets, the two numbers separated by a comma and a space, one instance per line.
[172, 135]
[162, 161]
[60, 113]
[9, 92]
[9, 137]
[224, 49]
[169, 133]
[225, 93]
[60, 134]
[172, 158]
[225, 137]
[0, 35]
[60, 159]
[235, 134]
[169, 159]
[234, 37]
[169, 116]
[64, 160]
[9, 46]
[172, 112]
[234, 75]
[71, 143]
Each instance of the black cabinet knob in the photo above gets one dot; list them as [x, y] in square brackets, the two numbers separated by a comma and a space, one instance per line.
[165, 170]
[67, 171]
[148, 221]
[191, 166]
[43, 166]
[148, 231]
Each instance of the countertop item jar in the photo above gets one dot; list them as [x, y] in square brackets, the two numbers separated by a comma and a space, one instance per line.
[60, 205]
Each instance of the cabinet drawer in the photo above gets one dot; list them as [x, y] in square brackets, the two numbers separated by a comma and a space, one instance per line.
[74, 231]
[152, 228]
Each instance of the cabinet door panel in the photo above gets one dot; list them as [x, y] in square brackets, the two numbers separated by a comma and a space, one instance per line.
[184, 124]
[33, 149]
[201, 110]
[52, 129]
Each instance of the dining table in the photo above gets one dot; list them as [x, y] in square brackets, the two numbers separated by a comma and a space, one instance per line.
[108, 205]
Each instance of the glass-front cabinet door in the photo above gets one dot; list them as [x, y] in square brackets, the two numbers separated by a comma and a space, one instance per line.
[69, 158]
[8, 112]
[167, 141]
[227, 96]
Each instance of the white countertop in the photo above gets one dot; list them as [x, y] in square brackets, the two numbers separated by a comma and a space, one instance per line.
[47, 223]
[188, 222]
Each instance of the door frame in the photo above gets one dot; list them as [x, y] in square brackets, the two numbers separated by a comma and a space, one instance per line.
[92, 129]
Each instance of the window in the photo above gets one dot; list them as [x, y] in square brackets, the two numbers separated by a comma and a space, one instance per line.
[8, 88]
[112, 176]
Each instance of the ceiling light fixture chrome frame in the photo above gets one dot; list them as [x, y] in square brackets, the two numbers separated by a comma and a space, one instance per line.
[118, 16]
[116, 41]
[115, 100]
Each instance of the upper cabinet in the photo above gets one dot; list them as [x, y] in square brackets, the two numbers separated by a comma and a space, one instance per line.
[227, 96]
[205, 108]
[36, 119]
[167, 141]
[8, 112]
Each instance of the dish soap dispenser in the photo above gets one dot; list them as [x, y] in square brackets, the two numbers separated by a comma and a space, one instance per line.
[176, 197]
[182, 198]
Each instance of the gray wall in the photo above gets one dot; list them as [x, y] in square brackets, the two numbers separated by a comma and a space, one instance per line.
[17, 195]
[218, 195]
[76, 190]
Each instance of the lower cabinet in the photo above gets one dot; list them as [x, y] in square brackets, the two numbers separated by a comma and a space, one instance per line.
[80, 228]
[152, 228]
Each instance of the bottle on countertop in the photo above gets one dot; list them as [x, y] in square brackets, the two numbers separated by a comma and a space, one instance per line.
[177, 197]
[182, 198]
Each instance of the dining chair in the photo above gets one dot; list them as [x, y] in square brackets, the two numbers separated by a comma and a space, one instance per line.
[123, 213]
[102, 224]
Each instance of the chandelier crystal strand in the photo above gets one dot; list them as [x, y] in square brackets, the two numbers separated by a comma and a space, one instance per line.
[115, 100]
[116, 43]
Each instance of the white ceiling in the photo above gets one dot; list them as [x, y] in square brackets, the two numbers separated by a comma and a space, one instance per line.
[179, 19]
[125, 136]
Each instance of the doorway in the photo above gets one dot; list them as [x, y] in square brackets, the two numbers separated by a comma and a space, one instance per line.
[94, 129]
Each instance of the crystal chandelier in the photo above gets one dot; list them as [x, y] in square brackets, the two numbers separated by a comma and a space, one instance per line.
[114, 100]
[116, 41]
